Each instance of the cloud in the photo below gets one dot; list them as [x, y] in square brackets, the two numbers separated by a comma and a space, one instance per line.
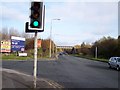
[74, 39]
[81, 0]
[15, 0]
[87, 12]
[95, 19]
[12, 14]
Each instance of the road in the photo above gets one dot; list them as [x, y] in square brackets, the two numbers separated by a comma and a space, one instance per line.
[70, 72]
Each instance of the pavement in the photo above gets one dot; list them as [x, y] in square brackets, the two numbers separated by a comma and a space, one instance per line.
[14, 79]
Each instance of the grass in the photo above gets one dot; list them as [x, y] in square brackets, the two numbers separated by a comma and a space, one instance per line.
[91, 58]
[13, 57]
[100, 59]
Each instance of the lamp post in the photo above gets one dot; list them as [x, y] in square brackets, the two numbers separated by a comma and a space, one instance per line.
[51, 37]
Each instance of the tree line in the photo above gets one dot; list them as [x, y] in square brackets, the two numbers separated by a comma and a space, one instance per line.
[6, 34]
[106, 47]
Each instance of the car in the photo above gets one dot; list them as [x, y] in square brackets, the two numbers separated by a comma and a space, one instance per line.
[114, 62]
[60, 53]
[65, 53]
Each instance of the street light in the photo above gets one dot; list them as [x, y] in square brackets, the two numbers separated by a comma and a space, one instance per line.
[51, 37]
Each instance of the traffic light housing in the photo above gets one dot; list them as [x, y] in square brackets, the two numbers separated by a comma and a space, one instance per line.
[37, 18]
[36, 15]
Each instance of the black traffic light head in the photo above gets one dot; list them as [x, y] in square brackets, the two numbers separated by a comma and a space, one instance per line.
[36, 14]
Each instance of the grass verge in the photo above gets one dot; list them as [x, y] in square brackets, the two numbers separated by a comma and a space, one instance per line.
[91, 58]
[14, 57]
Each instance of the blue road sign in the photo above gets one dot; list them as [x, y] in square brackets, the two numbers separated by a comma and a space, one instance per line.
[18, 44]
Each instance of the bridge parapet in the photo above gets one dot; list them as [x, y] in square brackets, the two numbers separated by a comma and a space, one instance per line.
[65, 47]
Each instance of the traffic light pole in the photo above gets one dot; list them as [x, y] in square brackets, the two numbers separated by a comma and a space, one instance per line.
[36, 25]
[35, 60]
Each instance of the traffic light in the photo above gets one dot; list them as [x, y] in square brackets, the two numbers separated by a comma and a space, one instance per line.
[36, 15]
[37, 18]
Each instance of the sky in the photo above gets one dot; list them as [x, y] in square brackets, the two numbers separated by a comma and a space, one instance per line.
[80, 21]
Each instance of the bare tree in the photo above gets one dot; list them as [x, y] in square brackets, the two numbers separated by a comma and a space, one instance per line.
[27, 35]
[13, 32]
[4, 33]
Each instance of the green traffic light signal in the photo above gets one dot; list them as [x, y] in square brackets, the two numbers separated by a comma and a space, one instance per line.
[36, 14]
[35, 23]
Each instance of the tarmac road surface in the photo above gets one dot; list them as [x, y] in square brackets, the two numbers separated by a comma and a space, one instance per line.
[70, 72]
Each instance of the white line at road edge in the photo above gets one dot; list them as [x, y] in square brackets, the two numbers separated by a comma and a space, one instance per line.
[50, 82]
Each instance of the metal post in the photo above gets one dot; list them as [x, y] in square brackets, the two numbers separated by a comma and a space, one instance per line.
[35, 60]
[56, 51]
[96, 52]
[50, 39]
[53, 48]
